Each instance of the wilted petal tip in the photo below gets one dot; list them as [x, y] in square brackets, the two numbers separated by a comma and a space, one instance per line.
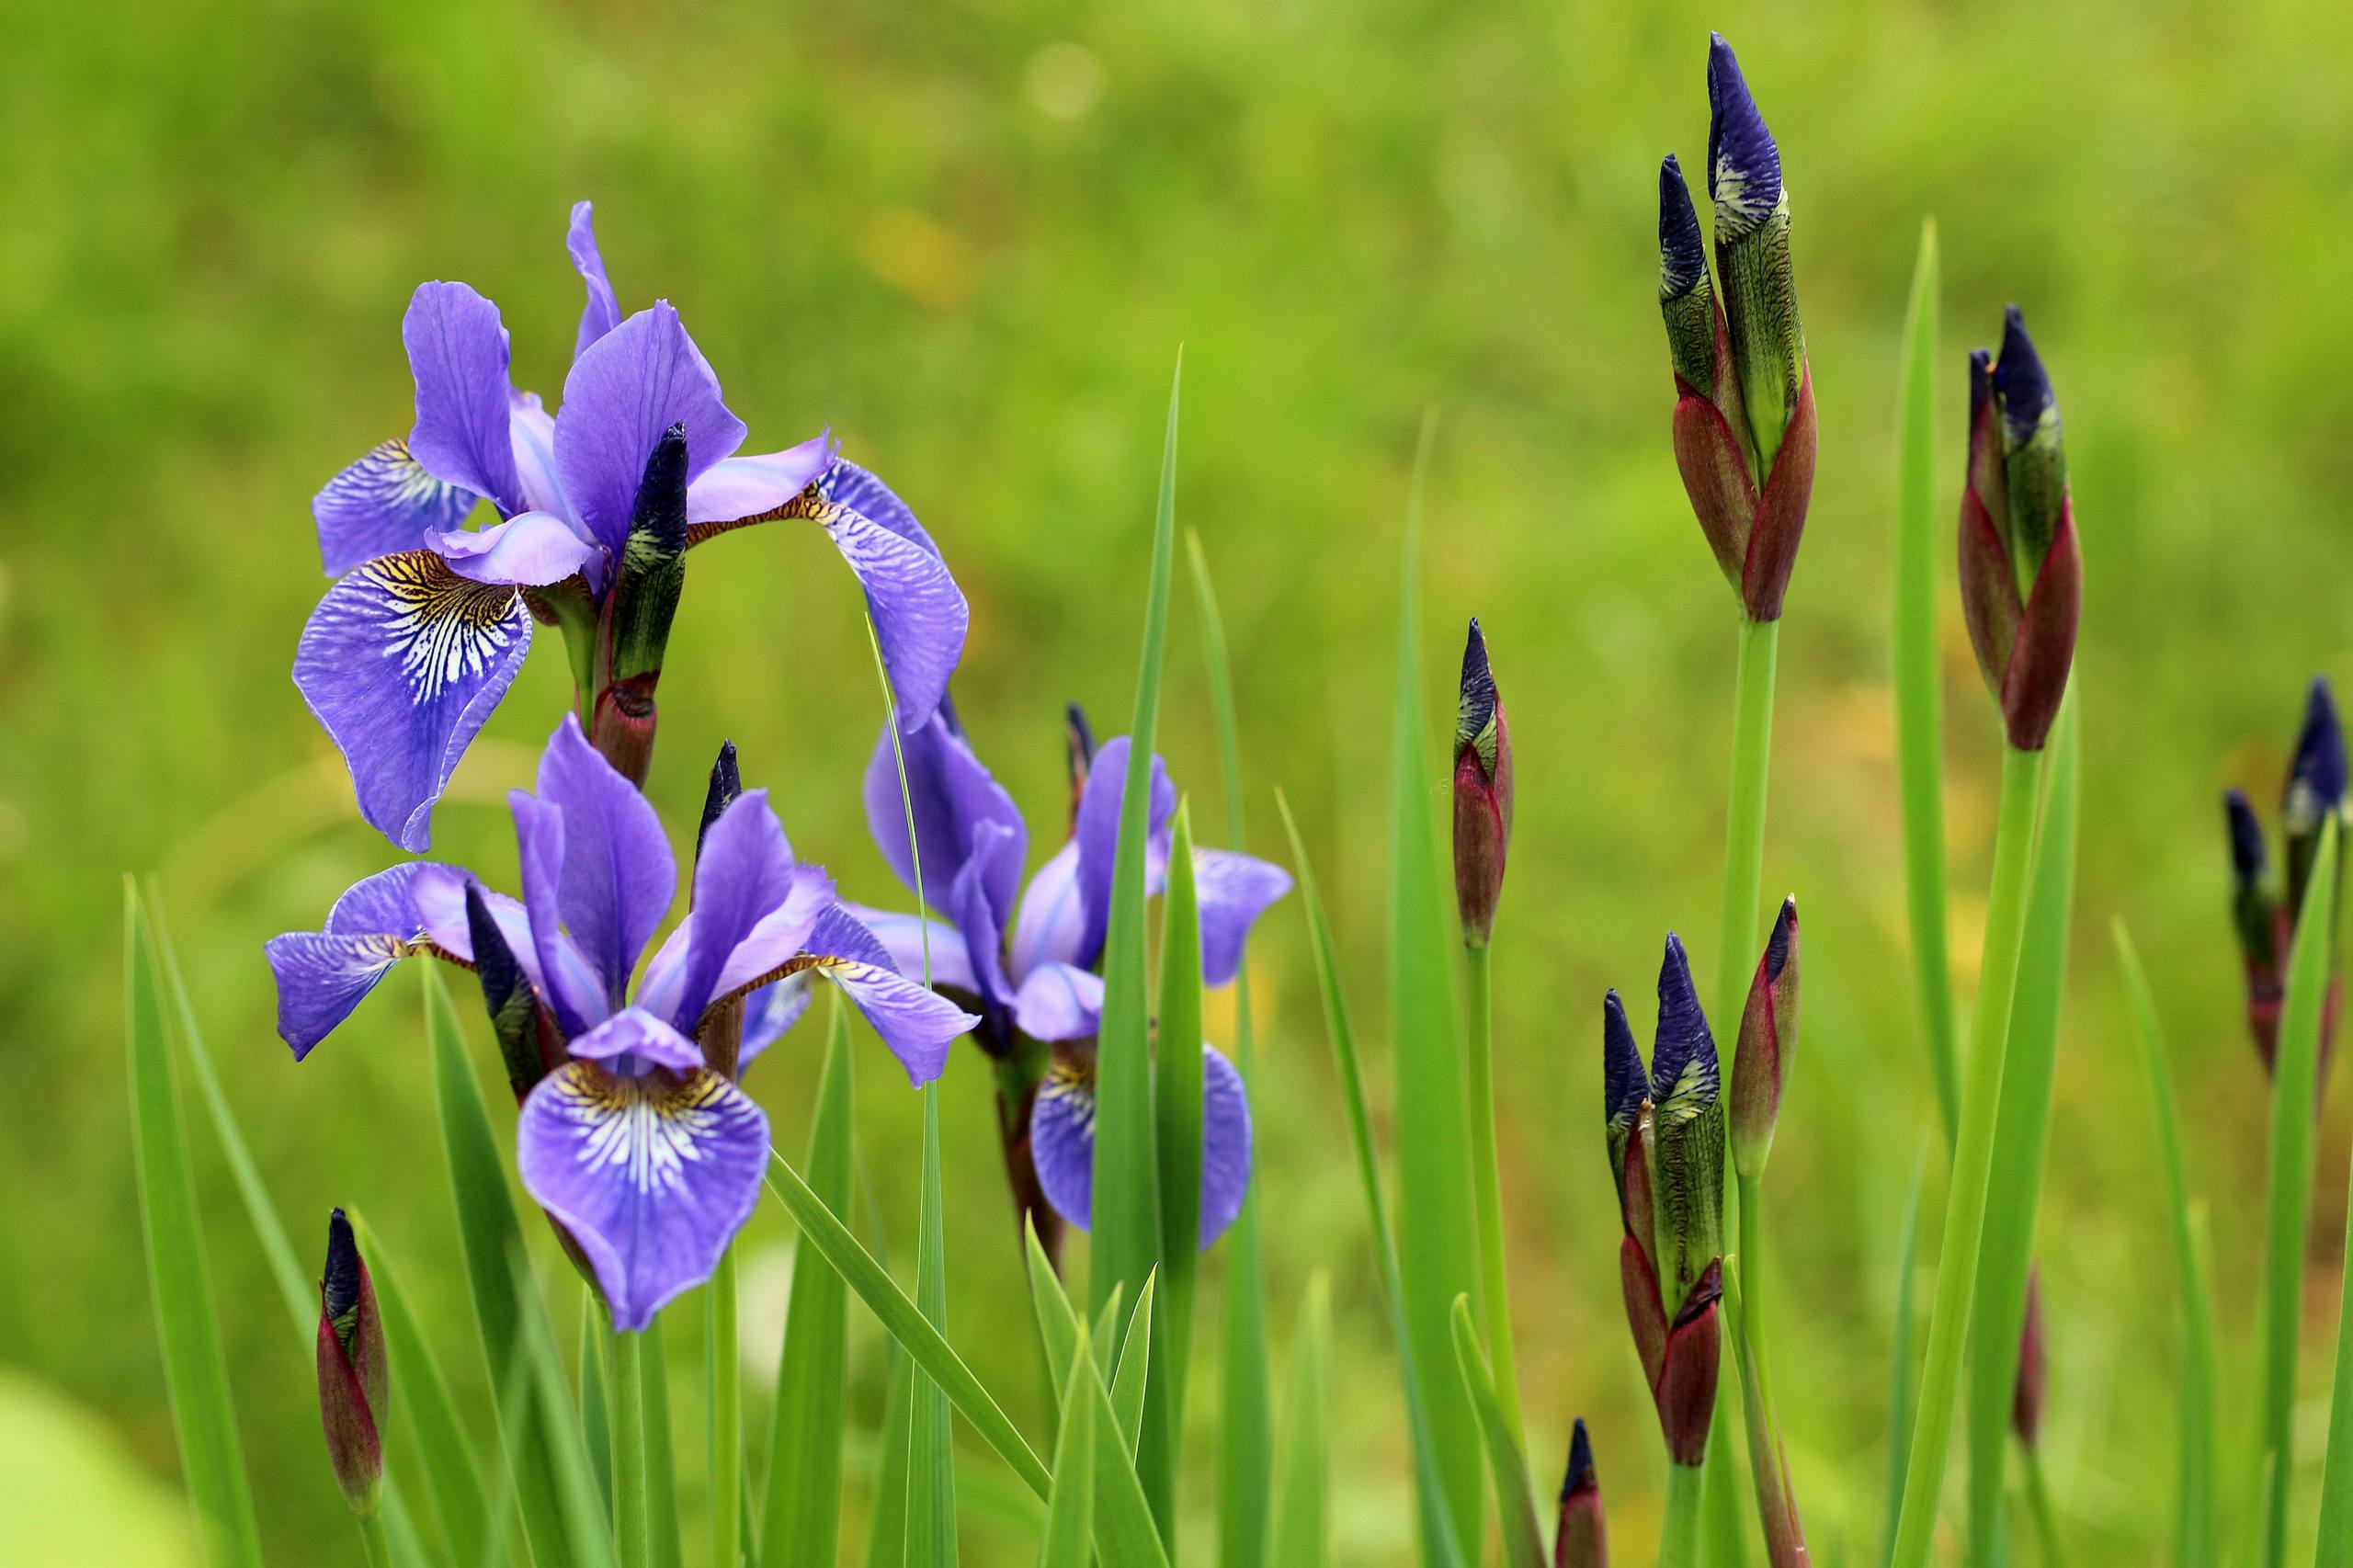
[1682, 253]
[1744, 165]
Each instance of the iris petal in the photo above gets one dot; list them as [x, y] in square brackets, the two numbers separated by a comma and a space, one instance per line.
[949, 794]
[652, 1176]
[322, 977]
[1235, 890]
[1058, 1001]
[920, 613]
[1052, 924]
[457, 351]
[618, 876]
[403, 662]
[912, 942]
[602, 312]
[624, 390]
[532, 549]
[741, 489]
[1100, 807]
[1061, 1143]
[383, 503]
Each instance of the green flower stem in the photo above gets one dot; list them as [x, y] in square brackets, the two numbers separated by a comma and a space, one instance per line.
[1752, 1290]
[625, 1381]
[1487, 1174]
[726, 1420]
[1973, 1156]
[2046, 1517]
[1679, 1541]
[373, 1543]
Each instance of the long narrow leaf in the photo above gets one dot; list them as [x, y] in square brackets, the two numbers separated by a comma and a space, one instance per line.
[1058, 1321]
[2020, 1136]
[1523, 1538]
[186, 1329]
[802, 1512]
[931, 1459]
[1246, 1424]
[662, 1527]
[886, 1540]
[585, 1522]
[1070, 1508]
[1302, 1517]
[596, 1412]
[1902, 1380]
[1133, 1376]
[1441, 1545]
[1176, 1101]
[1435, 1228]
[490, 1234]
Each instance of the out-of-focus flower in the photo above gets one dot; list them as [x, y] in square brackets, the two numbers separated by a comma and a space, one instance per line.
[1482, 788]
[2265, 921]
[354, 1380]
[1768, 1040]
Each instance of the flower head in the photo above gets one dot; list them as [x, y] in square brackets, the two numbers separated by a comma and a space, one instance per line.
[353, 1378]
[1482, 793]
[2263, 916]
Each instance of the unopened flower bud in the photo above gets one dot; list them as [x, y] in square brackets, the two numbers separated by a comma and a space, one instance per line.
[726, 785]
[1581, 1538]
[2314, 791]
[1686, 1391]
[1078, 748]
[647, 581]
[515, 1016]
[353, 1386]
[2026, 1401]
[1483, 789]
[1769, 1039]
[2263, 920]
[1687, 1112]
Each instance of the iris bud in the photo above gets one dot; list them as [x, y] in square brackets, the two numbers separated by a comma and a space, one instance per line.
[1686, 1391]
[1768, 1038]
[1482, 793]
[2264, 923]
[506, 992]
[352, 1379]
[2314, 790]
[1581, 1538]
[726, 784]
[647, 581]
[1078, 746]
[2021, 577]
[1687, 1112]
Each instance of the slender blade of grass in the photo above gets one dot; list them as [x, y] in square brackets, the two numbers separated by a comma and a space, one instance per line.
[1133, 1376]
[1245, 1400]
[661, 1526]
[453, 1474]
[931, 1459]
[1070, 1507]
[1442, 1544]
[1921, 525]
[732, 1542]
[2288, 1194]
[187, 1332]
[2021, 1137]
[1435, 1222]
[1302, 1506]
[886, 1540]
[1523, 1538]
[1057, 1319]
[586, 1523]
[490, 1234]
[1902, 1387]
[2194, 1539]
[1176, 1102]
[802, 1511]
[596, 1411]
[1126, 1206]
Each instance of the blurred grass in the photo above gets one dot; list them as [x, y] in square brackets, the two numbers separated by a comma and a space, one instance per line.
[971, 239]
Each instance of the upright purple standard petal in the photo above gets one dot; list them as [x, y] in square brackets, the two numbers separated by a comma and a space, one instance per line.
[652, 1176]
[602, 312]
[1235, 890]
[629, 387]
[574, 993]
[950, 793]
[1098, 837]
[1225, 1143]
[403, 662]
[1053, 923]
[381, 505]
[618, 877]
[744, 871]
[457, 351]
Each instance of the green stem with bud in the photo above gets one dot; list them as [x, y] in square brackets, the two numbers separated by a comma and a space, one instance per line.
[1487, 1177]
[1679, 1541]
[2014, 836]
[373, 1543]
[626, 1380]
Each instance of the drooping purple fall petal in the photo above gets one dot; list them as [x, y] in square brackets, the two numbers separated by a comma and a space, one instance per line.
[382, 505]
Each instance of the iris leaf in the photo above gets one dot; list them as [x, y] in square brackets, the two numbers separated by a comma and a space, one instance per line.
[661, 1526]
[569, 1476]
[1902, 1381]
[886, 1541]
[1301, 1519]
[188, 1333]
[421, 1392]
[931, 1461]
[1132, 1375]
[596, 1411]
[1523, 1538]
[1176, 1101]
[1070, 1507]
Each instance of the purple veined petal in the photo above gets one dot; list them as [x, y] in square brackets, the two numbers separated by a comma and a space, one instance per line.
[602, 312]
[951, 794]
[1098, 835]
[533, 431]
[781, 934]
[1234, 889]
[321, 978]
[744, 870]
[840, 934]
[384, 904]
[769, 1012]
[634, 1039]
[863, 493]
[629, 387]
[1058, 1001]
[532, 549]
[920, 613]
[571, 989]
[1052, 924]
[911, 942]
[996, 858]
[458, 352]
[617, 876]
[439, 894]
[1225, 1143]
[917, 1025]
[381, 505]
[651, 1176]
[403, 662]
[1062, 1140]
[739, 489]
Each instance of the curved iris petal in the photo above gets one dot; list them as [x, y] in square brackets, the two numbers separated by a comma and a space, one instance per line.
[616, 875]
[403, 662]
[748, 489]
[439, 893]
[1098, 837]
[916, 947]
[602, 312]
[1052, 925]
[1225, 1143]
[651, 1176]
[457, 353]
[624, 390]
[1235, 890]
[743, 872]
[1061, 1141]
[951, 794]
[532, 549]
[635, 1039]
[1058, 1001]
[768, 1012]
[322, 975]
[920, 613]
[863, 493]
[383, 503]
[917, 1024]
[571, 990]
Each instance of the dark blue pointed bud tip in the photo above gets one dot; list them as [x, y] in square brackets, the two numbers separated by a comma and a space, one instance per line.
[1623, 1081]
[1683, 1035]
[339, 1283]
[1777, 947]
[1682, 253]
[2020, 380]
[1475, 707]
[2320, 750]
[1981, 378]
[1744, 165]
[726, 786]
[2247, 854]
[1580, 1476]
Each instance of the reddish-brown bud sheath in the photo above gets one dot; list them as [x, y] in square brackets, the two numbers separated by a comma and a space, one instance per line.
[353, 1385]
[1644, 1317]
[1483, 791]
[1581, 1537]
[1686, 1390]
[2025, 1402]
[1769, 1039]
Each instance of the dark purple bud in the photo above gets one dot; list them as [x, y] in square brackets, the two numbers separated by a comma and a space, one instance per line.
[352, 1378]
[1769, 1039]
[1482, 793]
[1744, 165]
[1625, 1084]
[2316, 786]
[643, 601]
[1686, 1391]
[726, 785]
[1581, 1538]
[2026, 1401]
[1682, 253]
[515, 1016]
[1687, 1112]
[2034, 459]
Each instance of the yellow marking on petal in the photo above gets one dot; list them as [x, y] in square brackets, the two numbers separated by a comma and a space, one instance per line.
[443, 627]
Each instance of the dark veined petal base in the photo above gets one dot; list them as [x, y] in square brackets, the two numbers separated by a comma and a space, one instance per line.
[384, 503]
[1061, 1141]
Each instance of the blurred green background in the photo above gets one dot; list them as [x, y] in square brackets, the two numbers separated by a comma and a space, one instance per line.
[970, 237]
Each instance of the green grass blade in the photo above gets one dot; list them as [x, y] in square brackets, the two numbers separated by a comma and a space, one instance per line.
[1126, 1532]
[453, 1473]
[931, 1459]
[802, 1512]
[1903, 1373]
[1130, 1379]
[1176, 1102]
[821, 1228]
[1435, 1223]
[491, 1234]
[1523, 1538]
[586, 1523]
[1070, 1507]
[188, 1333]
[1301, 1500]
[596, 1412]
[1245, 1398]
[1057, 1319]
[2288, 1193]
[2194, 1535]
[663, 1530]
[1922, 534]
[1442, 1544]
[1126, 1219]
[732, 1542]
[2020, 1136]
[886, 1541]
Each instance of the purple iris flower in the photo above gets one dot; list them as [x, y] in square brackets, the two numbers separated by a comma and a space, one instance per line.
[412, 647]
[646, 1156]
[1028, 955]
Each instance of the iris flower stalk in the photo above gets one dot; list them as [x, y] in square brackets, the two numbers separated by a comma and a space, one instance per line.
[2021, 591]
[1744, 444]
